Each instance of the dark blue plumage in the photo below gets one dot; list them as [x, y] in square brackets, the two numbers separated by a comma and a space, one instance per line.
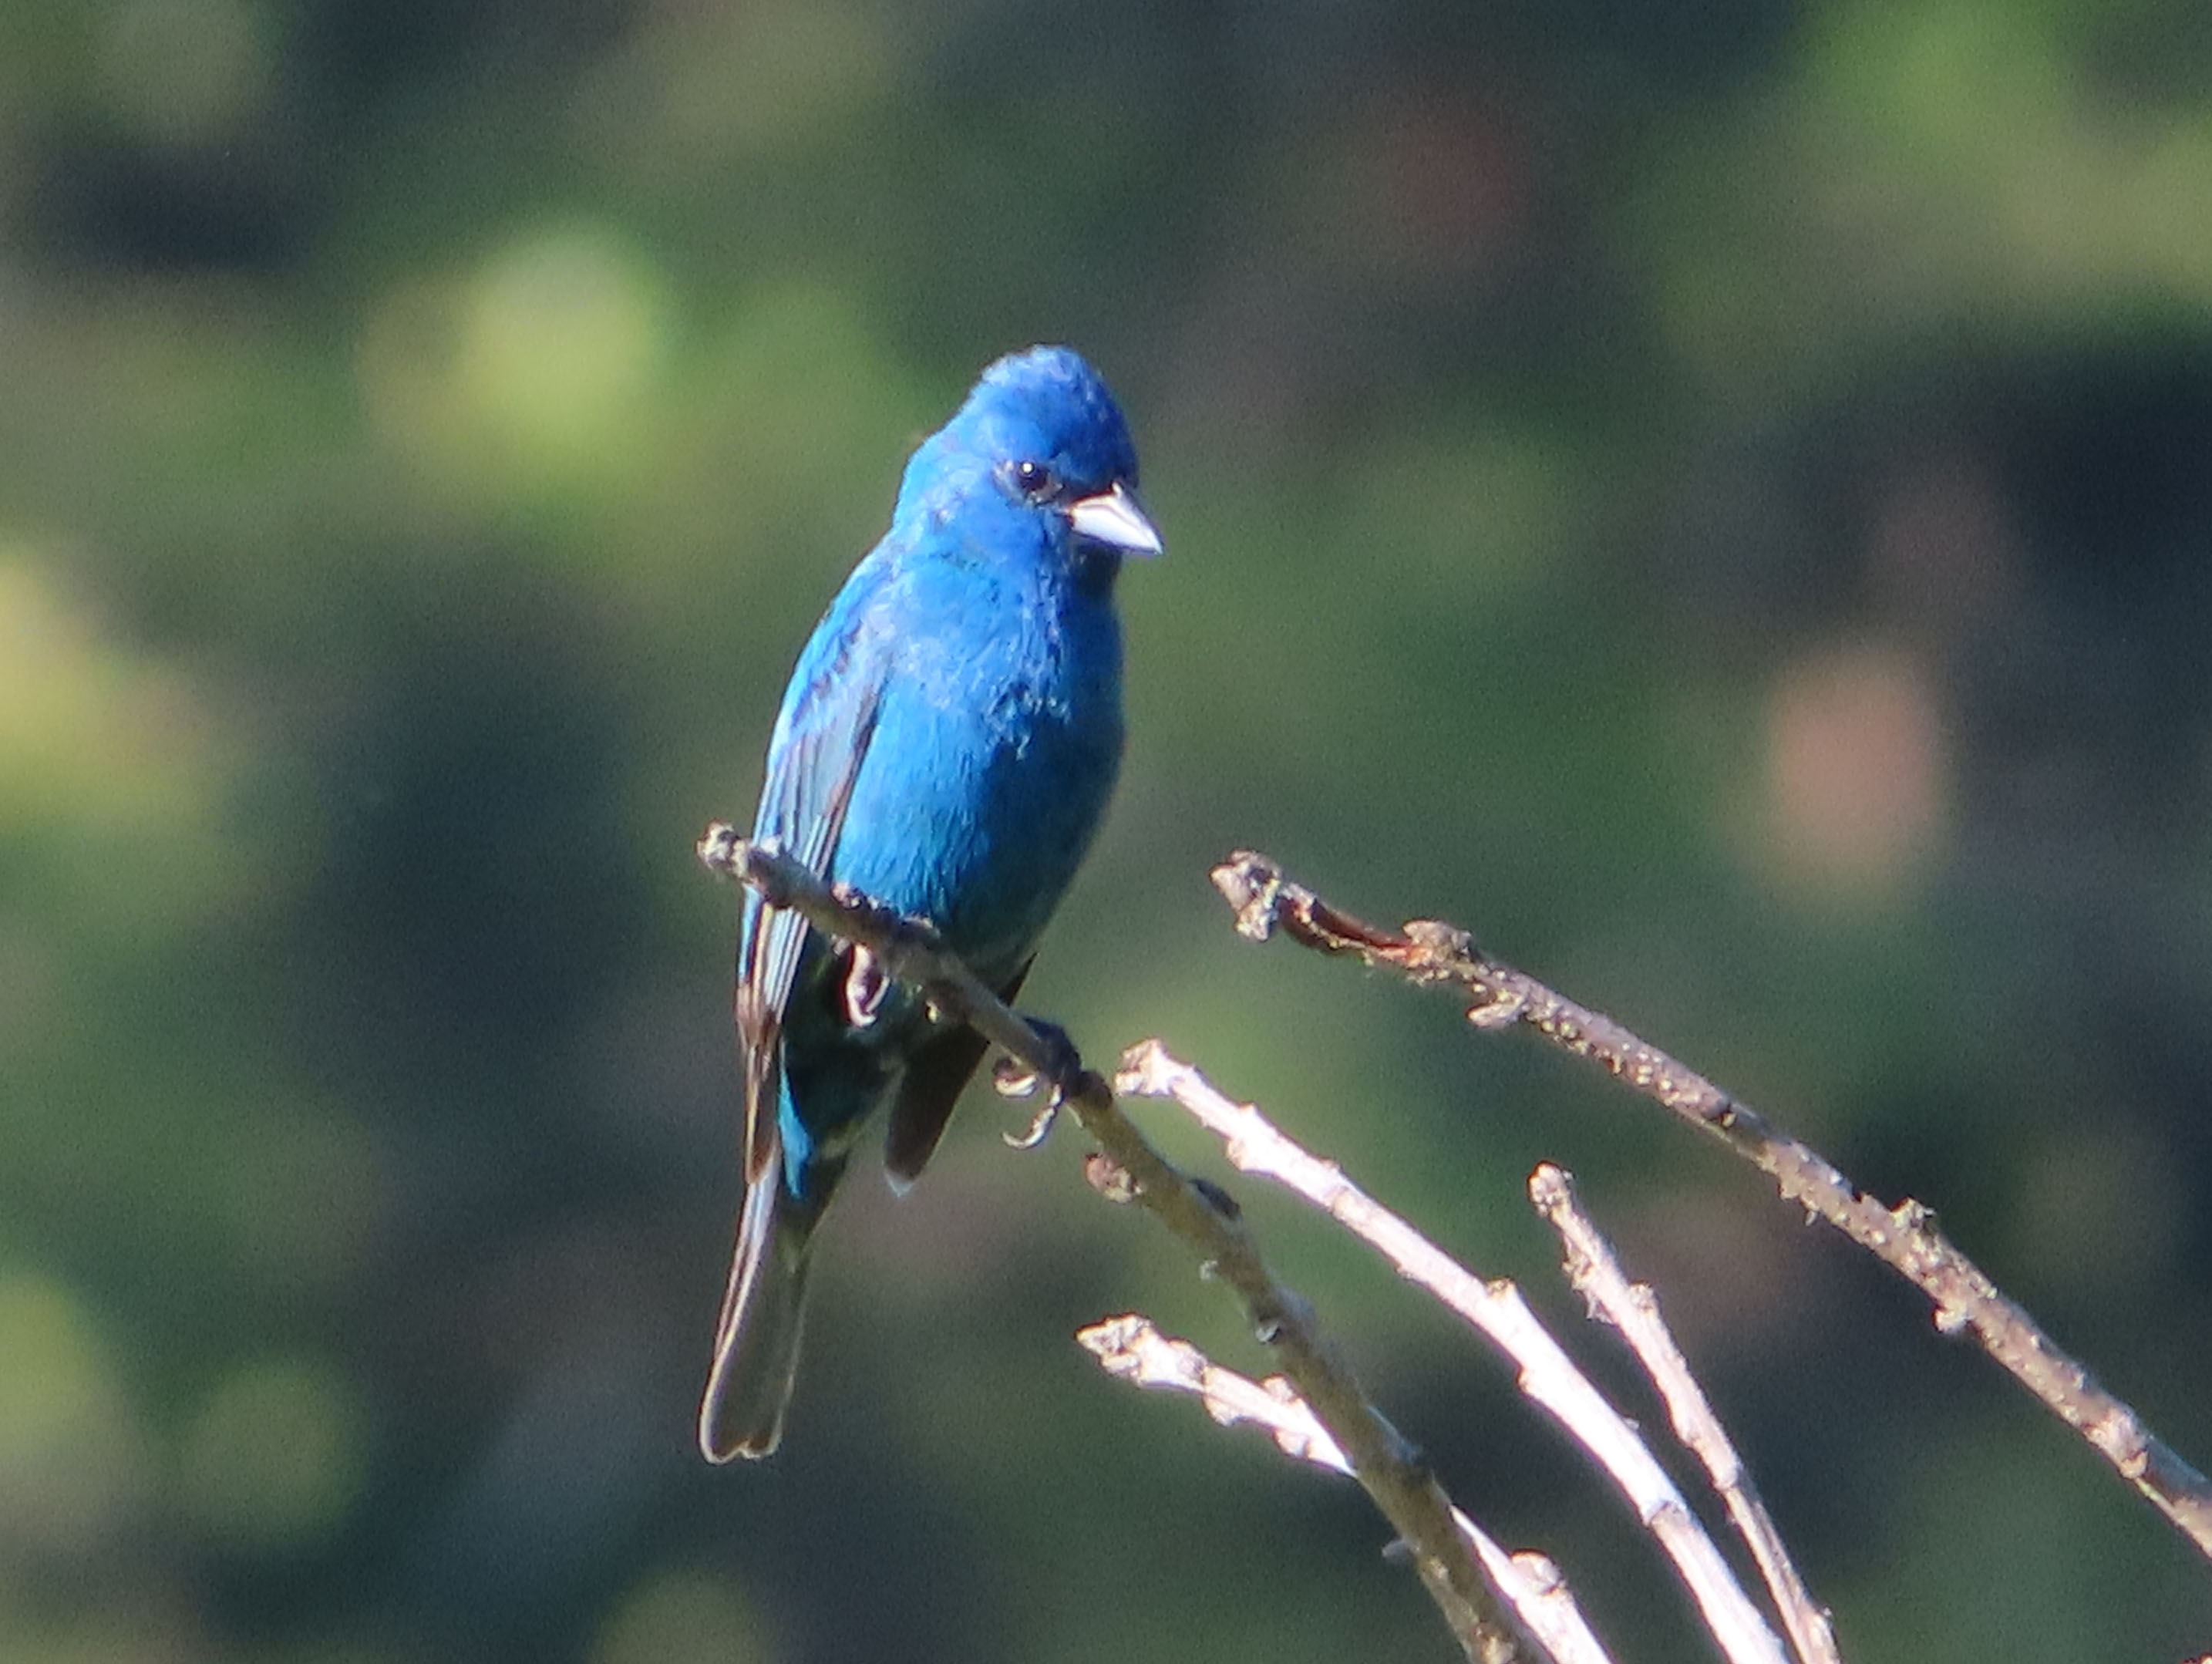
[947, 744]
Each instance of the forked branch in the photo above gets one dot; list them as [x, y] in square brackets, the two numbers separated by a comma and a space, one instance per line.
[1904, 1238]
[1390, 1472]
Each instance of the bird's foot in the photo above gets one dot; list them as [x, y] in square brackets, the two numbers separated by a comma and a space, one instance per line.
[1015, 1078]
[1039, 1129]
[865, 984]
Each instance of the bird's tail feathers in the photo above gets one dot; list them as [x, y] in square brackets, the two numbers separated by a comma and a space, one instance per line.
[757, 1347]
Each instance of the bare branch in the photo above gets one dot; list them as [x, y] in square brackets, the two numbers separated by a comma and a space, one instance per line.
[1905, 1237]
[1633, 1309]
[1386, 1468]
[1495, 1308]
[1131, 1347]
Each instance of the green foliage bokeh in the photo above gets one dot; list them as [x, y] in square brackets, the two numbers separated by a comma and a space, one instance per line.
[1718, 500]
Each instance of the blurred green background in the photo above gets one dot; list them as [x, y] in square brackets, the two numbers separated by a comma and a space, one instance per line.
[1718, 500]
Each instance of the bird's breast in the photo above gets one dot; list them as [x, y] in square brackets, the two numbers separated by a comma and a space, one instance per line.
[994, 752]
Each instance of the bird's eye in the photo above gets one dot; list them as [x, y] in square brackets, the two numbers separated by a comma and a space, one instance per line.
[1035, 481]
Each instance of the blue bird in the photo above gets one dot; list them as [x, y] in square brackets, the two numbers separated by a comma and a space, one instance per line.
[947, 744]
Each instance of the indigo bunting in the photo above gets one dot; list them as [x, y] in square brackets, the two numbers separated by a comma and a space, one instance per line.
[947, 744]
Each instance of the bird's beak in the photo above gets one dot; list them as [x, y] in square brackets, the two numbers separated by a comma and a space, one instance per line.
[1116, 519]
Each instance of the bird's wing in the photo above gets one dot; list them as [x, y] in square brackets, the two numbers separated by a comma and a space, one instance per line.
[934, 1076]
[813, 762]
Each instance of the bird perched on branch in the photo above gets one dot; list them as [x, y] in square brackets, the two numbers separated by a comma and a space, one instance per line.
[947, 745]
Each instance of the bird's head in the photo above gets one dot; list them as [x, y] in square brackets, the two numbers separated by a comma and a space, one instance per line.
[1042, 434]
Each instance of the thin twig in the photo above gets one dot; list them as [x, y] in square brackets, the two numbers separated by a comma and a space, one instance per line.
[1547, 1376]
[1593, 1268]
[1905, 1237]
[1401, 1485]
[1132, 1348]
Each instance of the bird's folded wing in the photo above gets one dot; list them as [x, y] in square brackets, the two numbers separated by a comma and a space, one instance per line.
[814, 763]
[934, 1076]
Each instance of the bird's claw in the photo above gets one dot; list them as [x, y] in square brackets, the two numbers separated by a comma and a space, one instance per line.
[865, 984]
[1013, 1078]
[1038, 1130]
